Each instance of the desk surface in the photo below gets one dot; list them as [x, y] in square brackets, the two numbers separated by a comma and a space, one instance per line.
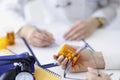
[104, 40]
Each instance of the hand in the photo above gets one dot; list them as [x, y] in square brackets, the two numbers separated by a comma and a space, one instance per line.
[35, 37]
[93, 75]
[85, 60]
[82, 29]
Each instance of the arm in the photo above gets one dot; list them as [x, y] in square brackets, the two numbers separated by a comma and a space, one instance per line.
[108, 10]
[103, 15]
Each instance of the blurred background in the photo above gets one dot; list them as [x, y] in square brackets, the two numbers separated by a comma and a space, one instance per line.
[35, 13]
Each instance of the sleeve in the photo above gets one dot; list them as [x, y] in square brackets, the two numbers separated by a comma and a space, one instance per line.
[112, 61]
[107, 10]
[12, 14]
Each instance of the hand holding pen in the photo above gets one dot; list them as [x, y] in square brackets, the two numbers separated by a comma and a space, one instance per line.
[93, 75]
[36, 37]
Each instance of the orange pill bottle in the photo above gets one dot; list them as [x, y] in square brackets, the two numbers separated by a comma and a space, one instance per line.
[68, 52]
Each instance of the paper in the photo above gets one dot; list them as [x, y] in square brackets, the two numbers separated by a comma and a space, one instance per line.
[45, 54]
[5, 52]
[115, 76]
[97, 41]
[2, 53]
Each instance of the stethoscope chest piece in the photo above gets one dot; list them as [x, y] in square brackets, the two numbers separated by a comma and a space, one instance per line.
[24, 76]
[64, 5]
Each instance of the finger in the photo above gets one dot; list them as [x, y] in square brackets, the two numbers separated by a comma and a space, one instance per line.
[76, 68]
[39, 43]
[55, 57]
[82, 36]
[77, 35]
[49, 35]
[78, 30]
[38, 35]
[72, 28]
[42, 36]
[93, 71]
[91, 76]
[71, 31]
[60, 59]
[64, 63]
[104, 75]
[36, 39]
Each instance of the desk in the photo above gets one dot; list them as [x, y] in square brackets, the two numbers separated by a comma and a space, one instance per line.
[103, 40]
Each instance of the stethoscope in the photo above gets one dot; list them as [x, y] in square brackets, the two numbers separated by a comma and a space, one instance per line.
[66, 4]
[69, 3]
[21, 70]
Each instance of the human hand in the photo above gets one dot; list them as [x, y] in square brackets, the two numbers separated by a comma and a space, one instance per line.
[93, 75]
[82, 29]
[85, 60]
[35, 37]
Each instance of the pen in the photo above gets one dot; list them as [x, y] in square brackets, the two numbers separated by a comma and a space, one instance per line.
[88, 45]
[110, 74]
[46, 35]
[11, 51]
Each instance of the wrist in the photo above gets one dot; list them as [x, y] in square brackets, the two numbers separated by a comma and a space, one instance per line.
[99, 60]
[25, 30]
[101, 21]
[93, 22]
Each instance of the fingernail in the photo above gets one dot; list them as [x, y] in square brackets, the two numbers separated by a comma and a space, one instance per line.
[65, 38]
[89, 68]
[61, 56]
[53, 39]
[70, 39]
[66, 59]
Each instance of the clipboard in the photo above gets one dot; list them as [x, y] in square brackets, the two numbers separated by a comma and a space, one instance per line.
[33, 54]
